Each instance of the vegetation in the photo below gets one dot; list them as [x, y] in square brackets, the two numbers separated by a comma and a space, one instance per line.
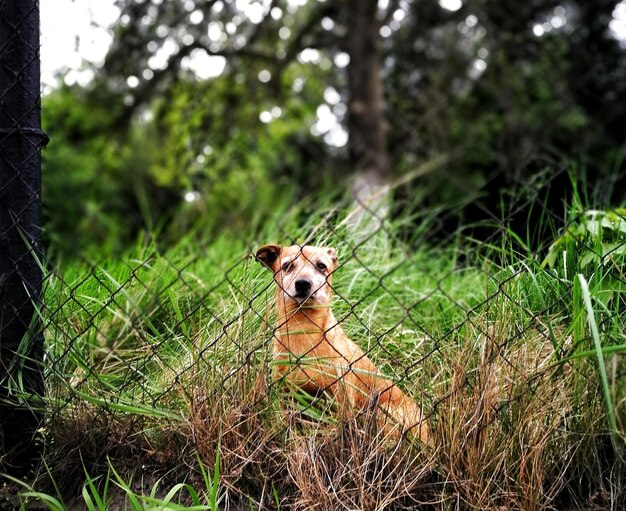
[486, 278]
[478, 86]
[159, 394]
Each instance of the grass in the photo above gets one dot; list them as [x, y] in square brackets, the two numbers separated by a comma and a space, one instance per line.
[158, 368]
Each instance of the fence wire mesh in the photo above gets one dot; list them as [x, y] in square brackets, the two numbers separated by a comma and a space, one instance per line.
[172, 344]
[144, 334]
[172, 351]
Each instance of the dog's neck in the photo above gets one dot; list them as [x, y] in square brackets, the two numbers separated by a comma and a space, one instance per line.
[294, 319]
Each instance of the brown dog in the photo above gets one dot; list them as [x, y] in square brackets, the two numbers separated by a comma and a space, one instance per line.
[318, 356]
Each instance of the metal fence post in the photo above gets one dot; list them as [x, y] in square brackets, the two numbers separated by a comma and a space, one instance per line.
[21, 139]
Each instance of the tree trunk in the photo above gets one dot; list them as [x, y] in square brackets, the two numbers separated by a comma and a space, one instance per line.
[366, 107]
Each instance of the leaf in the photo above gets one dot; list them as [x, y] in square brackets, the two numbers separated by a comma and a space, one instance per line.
[614, 249]
[588, 258]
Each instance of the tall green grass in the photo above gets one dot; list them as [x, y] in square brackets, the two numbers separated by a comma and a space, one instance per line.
[158, 365]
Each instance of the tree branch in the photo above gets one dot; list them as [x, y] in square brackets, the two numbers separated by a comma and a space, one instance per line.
[296, 45]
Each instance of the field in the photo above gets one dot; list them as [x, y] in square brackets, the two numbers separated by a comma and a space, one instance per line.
[159, 394]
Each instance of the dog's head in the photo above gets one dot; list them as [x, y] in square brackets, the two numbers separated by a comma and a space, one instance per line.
[303, 274]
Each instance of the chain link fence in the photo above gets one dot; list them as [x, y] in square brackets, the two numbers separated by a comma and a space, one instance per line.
[173, 349]
[488, 339]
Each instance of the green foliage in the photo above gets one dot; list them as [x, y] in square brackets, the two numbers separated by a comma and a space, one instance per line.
[98, 494]
[591, 253]
[593, 239]
[30, 494]
[594, 245]
[218, 147]
[95, 181]
[604, 380]
[481, 87]
[200, 138]
[121, 158]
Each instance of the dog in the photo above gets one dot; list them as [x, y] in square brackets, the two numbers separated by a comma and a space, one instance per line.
[310, 348]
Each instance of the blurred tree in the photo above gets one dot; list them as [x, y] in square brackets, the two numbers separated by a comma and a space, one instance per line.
[96, 184]
[159, 43]
[366, 103]
[485, 60]
[156, 43]
[512, 91]
[228, 96]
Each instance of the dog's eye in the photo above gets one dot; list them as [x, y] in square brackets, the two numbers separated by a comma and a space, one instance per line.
[287, 267]
[321, 266]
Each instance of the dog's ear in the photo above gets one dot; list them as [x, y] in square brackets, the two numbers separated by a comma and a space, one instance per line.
[268, 255]
[333, 255]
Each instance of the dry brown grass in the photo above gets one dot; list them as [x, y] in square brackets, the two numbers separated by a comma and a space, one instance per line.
[271, 451]
[510, 431]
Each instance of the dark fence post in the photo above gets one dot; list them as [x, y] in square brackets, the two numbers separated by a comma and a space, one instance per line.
[21, 139]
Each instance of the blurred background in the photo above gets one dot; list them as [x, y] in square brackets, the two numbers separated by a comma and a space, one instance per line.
[165, 113]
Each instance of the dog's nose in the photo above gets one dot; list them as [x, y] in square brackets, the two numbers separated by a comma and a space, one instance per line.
[303, 288]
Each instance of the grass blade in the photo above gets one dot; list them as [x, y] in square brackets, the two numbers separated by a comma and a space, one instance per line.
[216, 479]
[52, 503]
[610, 409]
